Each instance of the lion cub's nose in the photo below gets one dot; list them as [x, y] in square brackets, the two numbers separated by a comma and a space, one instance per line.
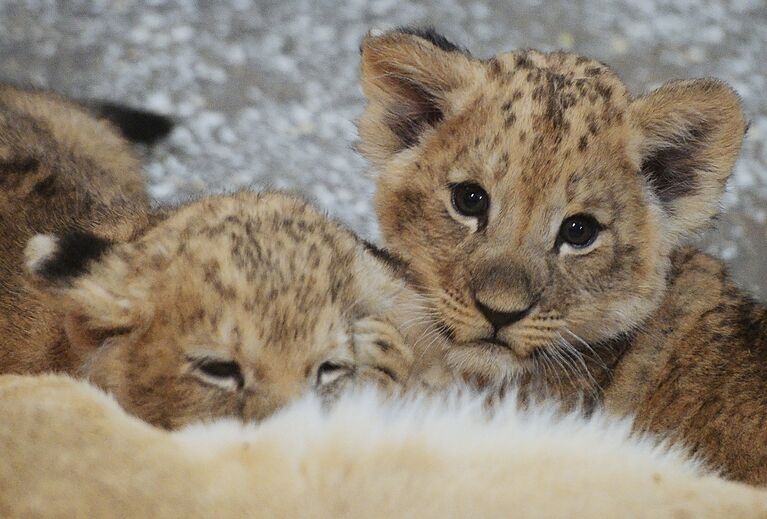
[500, 319]
[503, 290]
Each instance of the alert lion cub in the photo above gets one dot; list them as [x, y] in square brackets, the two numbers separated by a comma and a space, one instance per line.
[227, 306]
[541, 210]
[70, 451]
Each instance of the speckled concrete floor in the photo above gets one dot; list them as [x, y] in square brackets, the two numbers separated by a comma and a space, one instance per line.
[267, 93]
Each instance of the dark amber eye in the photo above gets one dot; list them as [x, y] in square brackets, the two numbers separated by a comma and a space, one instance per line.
[579, 231]
[470, 199]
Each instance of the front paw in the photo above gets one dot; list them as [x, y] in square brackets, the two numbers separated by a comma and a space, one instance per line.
[382, 355]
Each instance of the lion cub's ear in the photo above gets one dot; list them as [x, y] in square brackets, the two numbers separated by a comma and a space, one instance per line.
[407, 76]
[689, 135]
[80, 274]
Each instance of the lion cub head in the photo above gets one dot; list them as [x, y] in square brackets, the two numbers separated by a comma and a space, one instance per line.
[534, 199]
[230, 306]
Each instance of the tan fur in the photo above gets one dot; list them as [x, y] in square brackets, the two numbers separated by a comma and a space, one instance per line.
[260, 288]
[71, 452]
[228, 306]
[60, 168]
[630, 321]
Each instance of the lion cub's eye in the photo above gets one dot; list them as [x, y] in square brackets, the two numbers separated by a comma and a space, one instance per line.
[329, 372]
[579, 231]
[469, 199]
[221, 369]
[225, 373]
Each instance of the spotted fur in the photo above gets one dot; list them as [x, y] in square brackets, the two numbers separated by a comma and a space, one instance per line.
[227, 306]
[632, 321]
[230, 306]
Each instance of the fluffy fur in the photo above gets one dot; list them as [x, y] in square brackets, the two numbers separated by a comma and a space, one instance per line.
[228, 306]
[62, 168]
[72, 452]
[633, 319]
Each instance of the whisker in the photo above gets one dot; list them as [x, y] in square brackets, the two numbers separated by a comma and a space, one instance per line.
[562, 362]
[576, 356]
[596, 356]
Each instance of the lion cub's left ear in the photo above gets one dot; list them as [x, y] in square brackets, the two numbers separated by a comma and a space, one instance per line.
[689, 134]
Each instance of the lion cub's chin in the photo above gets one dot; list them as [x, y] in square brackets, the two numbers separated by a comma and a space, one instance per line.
[488, 363]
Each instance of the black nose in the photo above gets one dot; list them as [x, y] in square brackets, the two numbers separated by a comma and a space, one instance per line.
[500, 319]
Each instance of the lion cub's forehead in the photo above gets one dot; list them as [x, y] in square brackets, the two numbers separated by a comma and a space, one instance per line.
[553, 100]
[539, 118]
[254, 269]
[557, 78]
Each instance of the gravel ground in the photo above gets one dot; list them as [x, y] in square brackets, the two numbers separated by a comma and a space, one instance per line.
[267, 92]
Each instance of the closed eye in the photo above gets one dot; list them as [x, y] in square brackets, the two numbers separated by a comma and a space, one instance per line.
[329, 372]
[219, 372]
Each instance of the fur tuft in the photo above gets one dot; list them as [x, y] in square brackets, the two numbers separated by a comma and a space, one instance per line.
[365, 458]
[60, 259]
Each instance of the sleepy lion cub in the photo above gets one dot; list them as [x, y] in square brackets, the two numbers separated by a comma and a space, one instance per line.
[70, 451]
[228, 306]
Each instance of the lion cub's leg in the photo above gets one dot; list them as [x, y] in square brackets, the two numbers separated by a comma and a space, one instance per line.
[382, 355]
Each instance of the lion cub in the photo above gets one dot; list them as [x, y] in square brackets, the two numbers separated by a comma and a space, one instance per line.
[228, 306]
[541, 209]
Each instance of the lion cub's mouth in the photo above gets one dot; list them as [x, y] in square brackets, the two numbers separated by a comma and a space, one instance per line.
[491, 345]
[494, 341]
[498, 347]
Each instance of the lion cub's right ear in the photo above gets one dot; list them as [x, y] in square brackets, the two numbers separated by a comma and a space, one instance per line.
[82, 275]
[407, 77]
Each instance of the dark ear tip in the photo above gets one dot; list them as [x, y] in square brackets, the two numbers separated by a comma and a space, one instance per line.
[65, 257]
[136, 125]
[427, 33]
[430, 34]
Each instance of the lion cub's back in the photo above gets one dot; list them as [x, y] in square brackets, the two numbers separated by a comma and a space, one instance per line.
[60, 167]
[59, 163]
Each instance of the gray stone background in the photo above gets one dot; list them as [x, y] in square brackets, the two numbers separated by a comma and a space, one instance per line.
[266, 92]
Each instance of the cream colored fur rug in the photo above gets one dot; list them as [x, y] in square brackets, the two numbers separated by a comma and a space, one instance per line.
[70, 451]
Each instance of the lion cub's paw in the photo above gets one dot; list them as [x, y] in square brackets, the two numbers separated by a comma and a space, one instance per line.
[382, 355]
